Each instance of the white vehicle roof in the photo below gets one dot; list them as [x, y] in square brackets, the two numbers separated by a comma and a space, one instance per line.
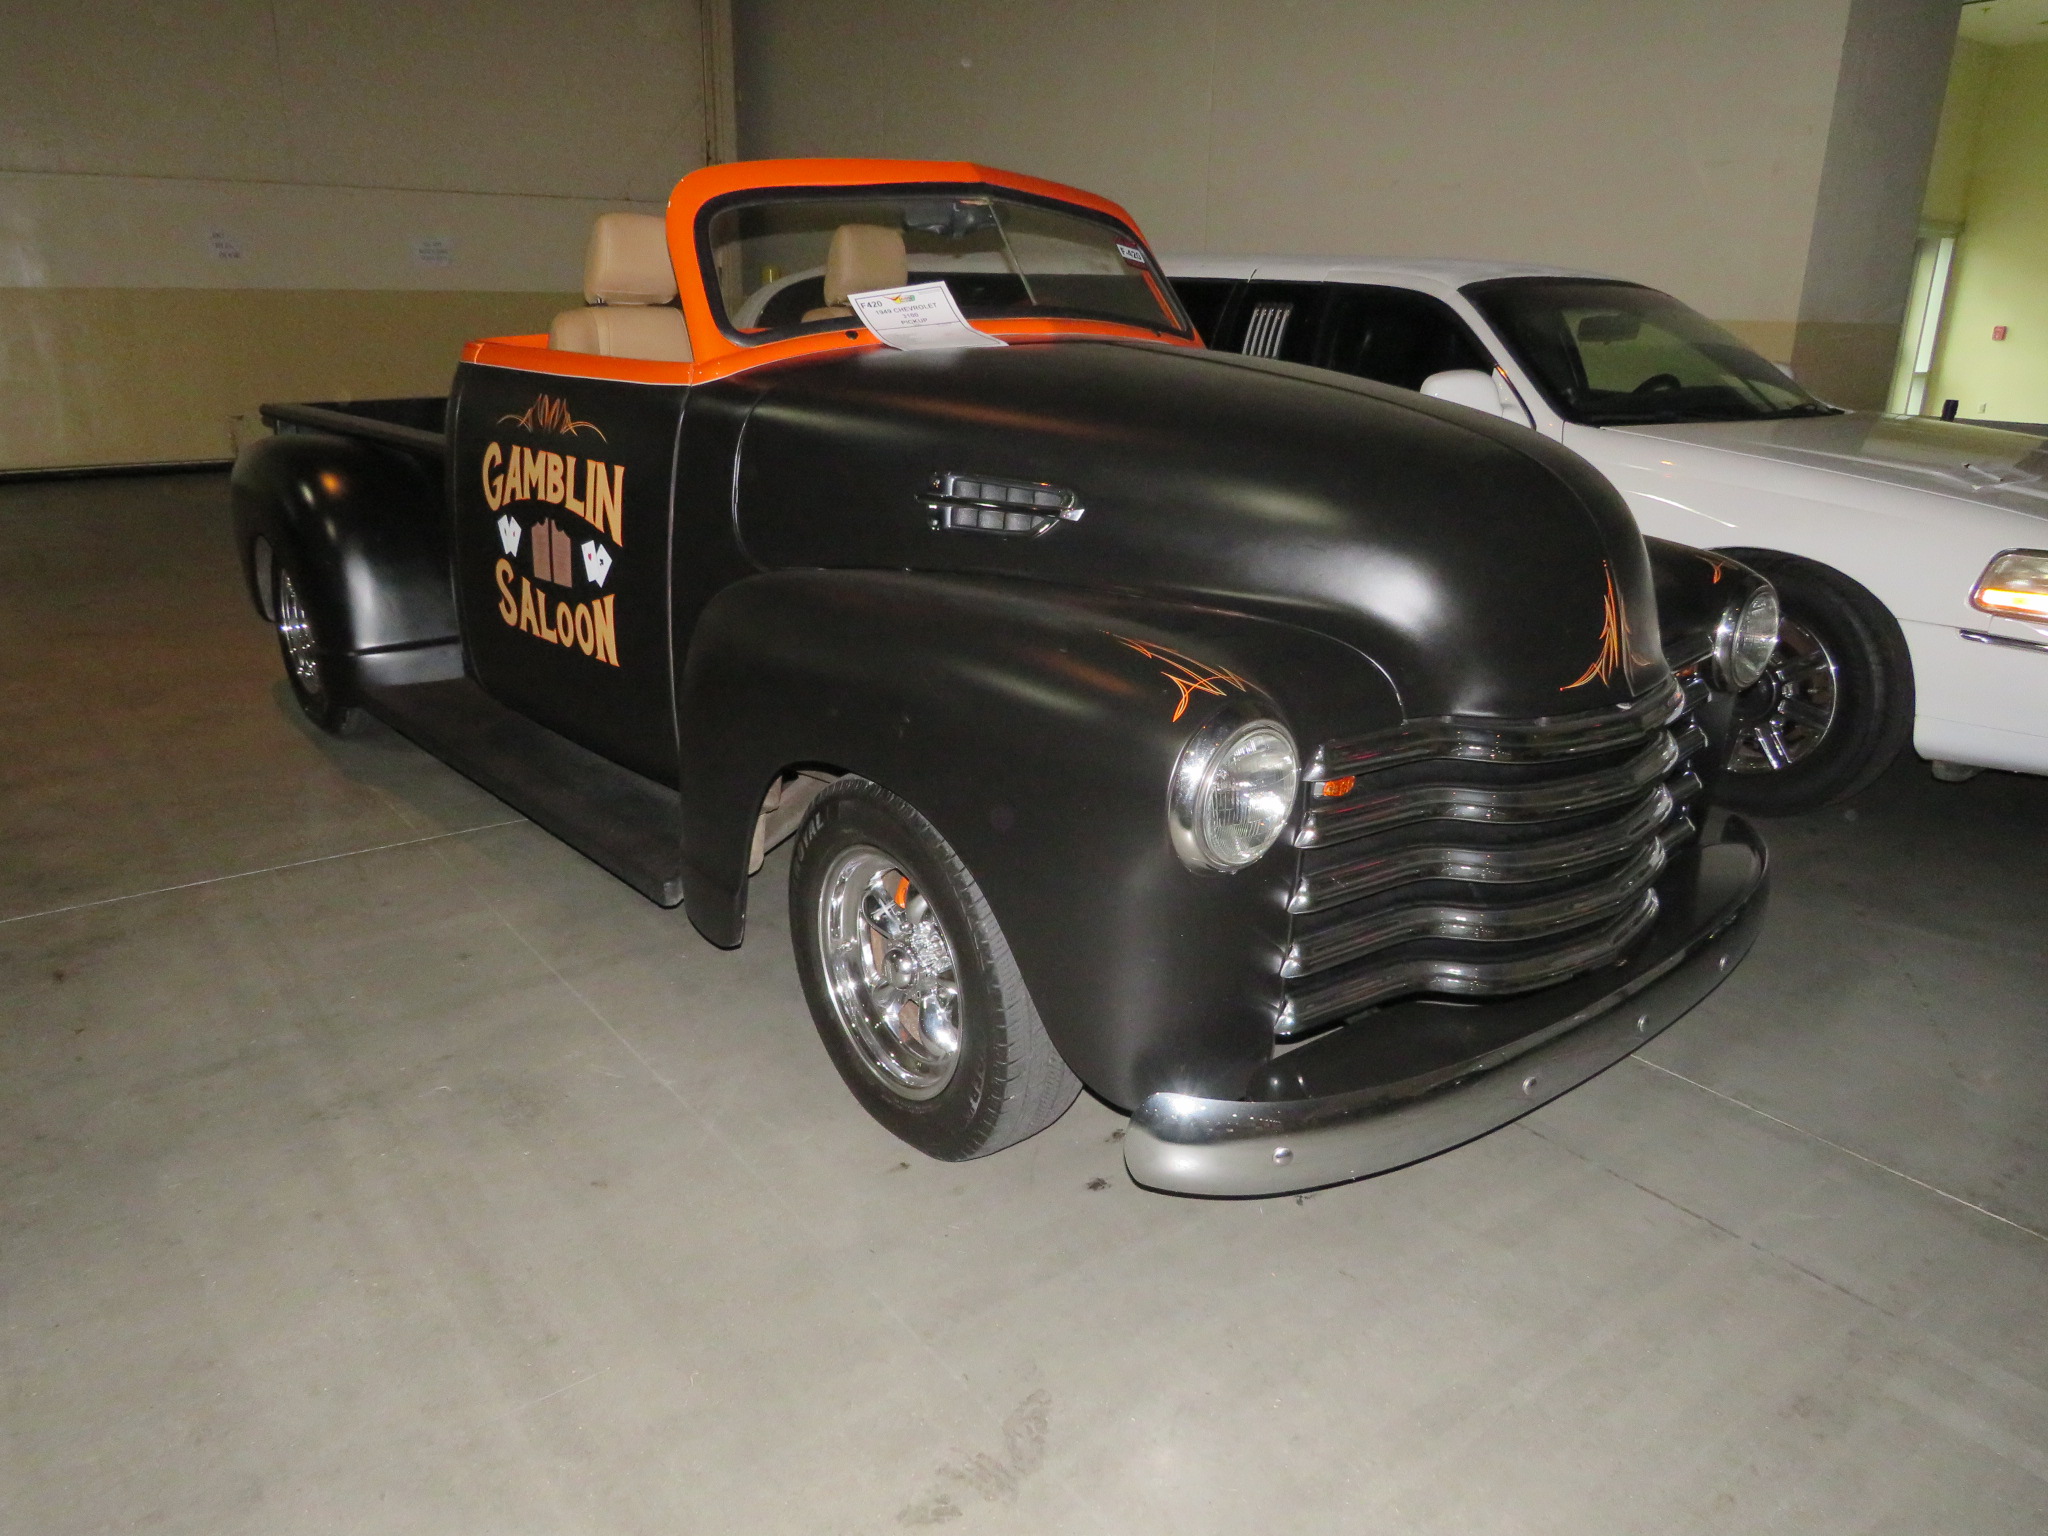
[1434, 272]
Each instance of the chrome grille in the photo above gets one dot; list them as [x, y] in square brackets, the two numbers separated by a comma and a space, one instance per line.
[1480, 858]
[1545, 800]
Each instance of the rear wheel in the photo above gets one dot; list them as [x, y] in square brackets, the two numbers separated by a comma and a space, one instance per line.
[1834, 707]
[911, 984]
[306, 665]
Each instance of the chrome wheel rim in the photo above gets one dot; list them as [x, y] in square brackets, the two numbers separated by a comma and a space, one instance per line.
[296, 631]
[889, 968]
[1784, 716]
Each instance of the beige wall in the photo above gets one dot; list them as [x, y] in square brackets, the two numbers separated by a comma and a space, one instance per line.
[1687, 145]
[151, 375]
[2000, 276]
[210, 203]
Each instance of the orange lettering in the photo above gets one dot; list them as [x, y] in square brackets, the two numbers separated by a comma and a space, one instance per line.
[607, 498]
[553, 492]
[569, 497]
[604, 634]
[507, 609]
[494, 489]
[527, 621]
[585, 635]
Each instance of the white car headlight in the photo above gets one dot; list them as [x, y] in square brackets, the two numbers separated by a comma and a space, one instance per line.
[1745, 639]
[2015, 585]
[1233, 790]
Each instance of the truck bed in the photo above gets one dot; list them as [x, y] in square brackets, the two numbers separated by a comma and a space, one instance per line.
[419, 424]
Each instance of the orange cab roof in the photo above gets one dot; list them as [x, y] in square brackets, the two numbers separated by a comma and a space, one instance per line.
[700, 187]
[717, 354]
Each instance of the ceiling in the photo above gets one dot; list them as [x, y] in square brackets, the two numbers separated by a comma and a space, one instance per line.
[2005, 23]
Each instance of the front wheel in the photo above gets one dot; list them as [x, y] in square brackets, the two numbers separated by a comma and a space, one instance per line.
[306, 665]
[911, 983]
[1834, 707]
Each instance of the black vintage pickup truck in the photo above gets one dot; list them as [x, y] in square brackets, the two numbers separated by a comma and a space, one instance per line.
[1318, 771]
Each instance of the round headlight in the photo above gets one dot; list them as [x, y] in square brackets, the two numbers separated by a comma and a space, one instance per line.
[1233, 791]
[1745, 639]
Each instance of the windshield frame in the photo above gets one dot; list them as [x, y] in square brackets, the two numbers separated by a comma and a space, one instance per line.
[1487, 296]
[740, 336]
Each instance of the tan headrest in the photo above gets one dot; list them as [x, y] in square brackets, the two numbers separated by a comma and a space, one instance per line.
[627, 262]
[654, 333]
[864, 256]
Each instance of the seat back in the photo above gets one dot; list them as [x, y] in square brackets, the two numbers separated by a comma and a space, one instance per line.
[629, 287]
[861, 257]
[651, 334]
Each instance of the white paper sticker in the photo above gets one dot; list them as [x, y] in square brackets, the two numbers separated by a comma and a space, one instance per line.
[434, 251]
[225, 247]
[920, 316]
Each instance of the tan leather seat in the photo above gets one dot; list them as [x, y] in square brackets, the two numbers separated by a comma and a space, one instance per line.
[862, 256]
[630, 289]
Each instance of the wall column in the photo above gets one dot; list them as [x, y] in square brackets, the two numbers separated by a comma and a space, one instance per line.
[1859, 263]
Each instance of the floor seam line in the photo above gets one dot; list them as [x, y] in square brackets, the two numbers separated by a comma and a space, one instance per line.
[767, 1186]
[1898, 1173]
[1755, 1245]
[268, 869]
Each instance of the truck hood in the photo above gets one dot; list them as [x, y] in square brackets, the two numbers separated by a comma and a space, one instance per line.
[1484, 569]
[1985, 465]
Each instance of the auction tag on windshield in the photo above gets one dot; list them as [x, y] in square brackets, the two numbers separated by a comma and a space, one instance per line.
[918, 317]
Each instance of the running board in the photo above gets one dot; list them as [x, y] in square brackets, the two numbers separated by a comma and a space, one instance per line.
[629, 825]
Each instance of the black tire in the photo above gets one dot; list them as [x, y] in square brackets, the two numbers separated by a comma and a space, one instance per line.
[308, 667]
[1001, 1080]
[1836, 705]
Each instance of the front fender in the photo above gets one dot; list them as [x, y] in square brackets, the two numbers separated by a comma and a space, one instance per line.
[365, 528]
[1036, 727]
[1695, 589]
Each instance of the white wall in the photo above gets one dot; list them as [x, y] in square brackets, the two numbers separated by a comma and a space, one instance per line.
[1683, 144]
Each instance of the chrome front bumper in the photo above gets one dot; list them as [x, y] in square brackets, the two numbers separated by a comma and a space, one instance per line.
[1420, 1078]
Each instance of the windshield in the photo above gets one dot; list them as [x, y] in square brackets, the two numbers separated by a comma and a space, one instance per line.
[1613, 354]
[783, 263]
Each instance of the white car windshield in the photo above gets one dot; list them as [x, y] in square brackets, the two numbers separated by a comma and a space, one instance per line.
[1612, 354]
[781, 263]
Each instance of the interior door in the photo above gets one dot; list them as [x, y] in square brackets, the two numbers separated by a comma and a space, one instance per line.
[1274, 319]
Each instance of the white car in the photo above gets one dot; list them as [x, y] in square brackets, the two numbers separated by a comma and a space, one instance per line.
[1910, 555]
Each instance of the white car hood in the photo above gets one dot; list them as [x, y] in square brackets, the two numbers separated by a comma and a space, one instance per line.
[1986, 465]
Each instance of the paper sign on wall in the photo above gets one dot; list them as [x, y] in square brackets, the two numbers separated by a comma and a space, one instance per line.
[433, 251]
[921, 316]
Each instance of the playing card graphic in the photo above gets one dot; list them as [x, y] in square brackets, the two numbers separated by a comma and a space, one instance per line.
[552, 560]
[597, 561]
[508, 533]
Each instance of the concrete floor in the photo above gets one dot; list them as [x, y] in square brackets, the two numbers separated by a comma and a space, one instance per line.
[370, 1162]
